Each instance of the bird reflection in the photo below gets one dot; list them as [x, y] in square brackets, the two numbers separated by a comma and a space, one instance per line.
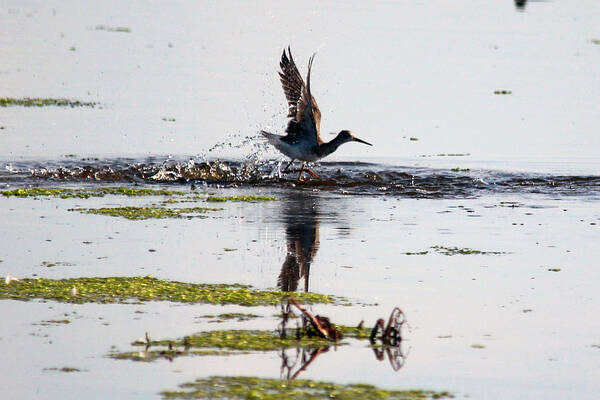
[301, 218]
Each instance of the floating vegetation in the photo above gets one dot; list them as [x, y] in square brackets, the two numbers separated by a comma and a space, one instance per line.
[139, 213]
[87, 193]
[49, 264]
[416, 253]
[446, 155]
[141, 289]
[502, 92]
[63, 369]
[113, 29]
[227, 342]
[595, 41]
[452, 251]
[251, 198]
[168, 119]
[41, 102]
[52, 322]
[554, 269]
[413, 139]
[477, 346]
[239, 317]
[460, 169]
[225, 387]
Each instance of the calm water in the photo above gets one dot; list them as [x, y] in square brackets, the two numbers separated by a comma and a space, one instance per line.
[182, 93]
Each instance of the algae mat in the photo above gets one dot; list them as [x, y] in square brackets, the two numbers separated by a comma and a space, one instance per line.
[141, 289]
[225, 342]
[260, 388]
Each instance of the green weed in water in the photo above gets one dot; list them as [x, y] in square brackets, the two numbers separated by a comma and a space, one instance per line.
[41, 102]
[87, 193]
[239, 317]
[141, 289]
[237, 387]
[226, 342]
[252, 198]
[113, 29]
[452, 251]
[63, 369]
[138, 213]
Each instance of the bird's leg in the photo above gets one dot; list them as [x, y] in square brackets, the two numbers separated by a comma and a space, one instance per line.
[301, 170]
[287, 166]
[312, 173]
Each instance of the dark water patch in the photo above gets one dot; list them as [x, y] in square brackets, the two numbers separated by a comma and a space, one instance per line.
[343, 177]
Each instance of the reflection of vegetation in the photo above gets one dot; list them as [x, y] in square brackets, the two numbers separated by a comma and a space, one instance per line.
[87, 193]
[137, 213]
[252, 198]
[139, 289]
[40, 102]
[255, 388]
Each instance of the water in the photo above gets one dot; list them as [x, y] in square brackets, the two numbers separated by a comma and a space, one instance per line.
[352, 178]
[182, 95]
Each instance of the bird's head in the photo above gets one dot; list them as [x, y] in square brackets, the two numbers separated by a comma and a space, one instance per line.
[347, 136]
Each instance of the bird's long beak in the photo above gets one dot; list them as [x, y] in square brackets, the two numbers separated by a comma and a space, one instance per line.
[362, 141]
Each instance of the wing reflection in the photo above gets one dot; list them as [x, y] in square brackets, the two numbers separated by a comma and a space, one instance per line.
[301, 218]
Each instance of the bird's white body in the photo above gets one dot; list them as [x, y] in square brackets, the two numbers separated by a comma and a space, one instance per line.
[299, 150]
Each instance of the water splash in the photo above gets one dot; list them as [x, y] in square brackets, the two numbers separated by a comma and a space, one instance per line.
[256, 170]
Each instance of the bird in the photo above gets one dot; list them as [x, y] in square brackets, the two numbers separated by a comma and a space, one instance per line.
[302, 140]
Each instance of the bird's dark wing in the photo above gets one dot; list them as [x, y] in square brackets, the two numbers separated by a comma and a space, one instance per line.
[303, 109]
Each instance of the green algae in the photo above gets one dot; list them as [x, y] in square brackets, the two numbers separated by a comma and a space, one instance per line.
[139, 213]
[43, 102]
[113, 29]
[416, 253]
[251, 198]
[53, 322]
[237, 387]
[239, 317]
[228, 342]
[142, 289]
[452, 251]
[63, 369]
[87, 193]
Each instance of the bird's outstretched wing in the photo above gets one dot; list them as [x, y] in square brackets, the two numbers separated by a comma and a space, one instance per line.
[303, 109]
